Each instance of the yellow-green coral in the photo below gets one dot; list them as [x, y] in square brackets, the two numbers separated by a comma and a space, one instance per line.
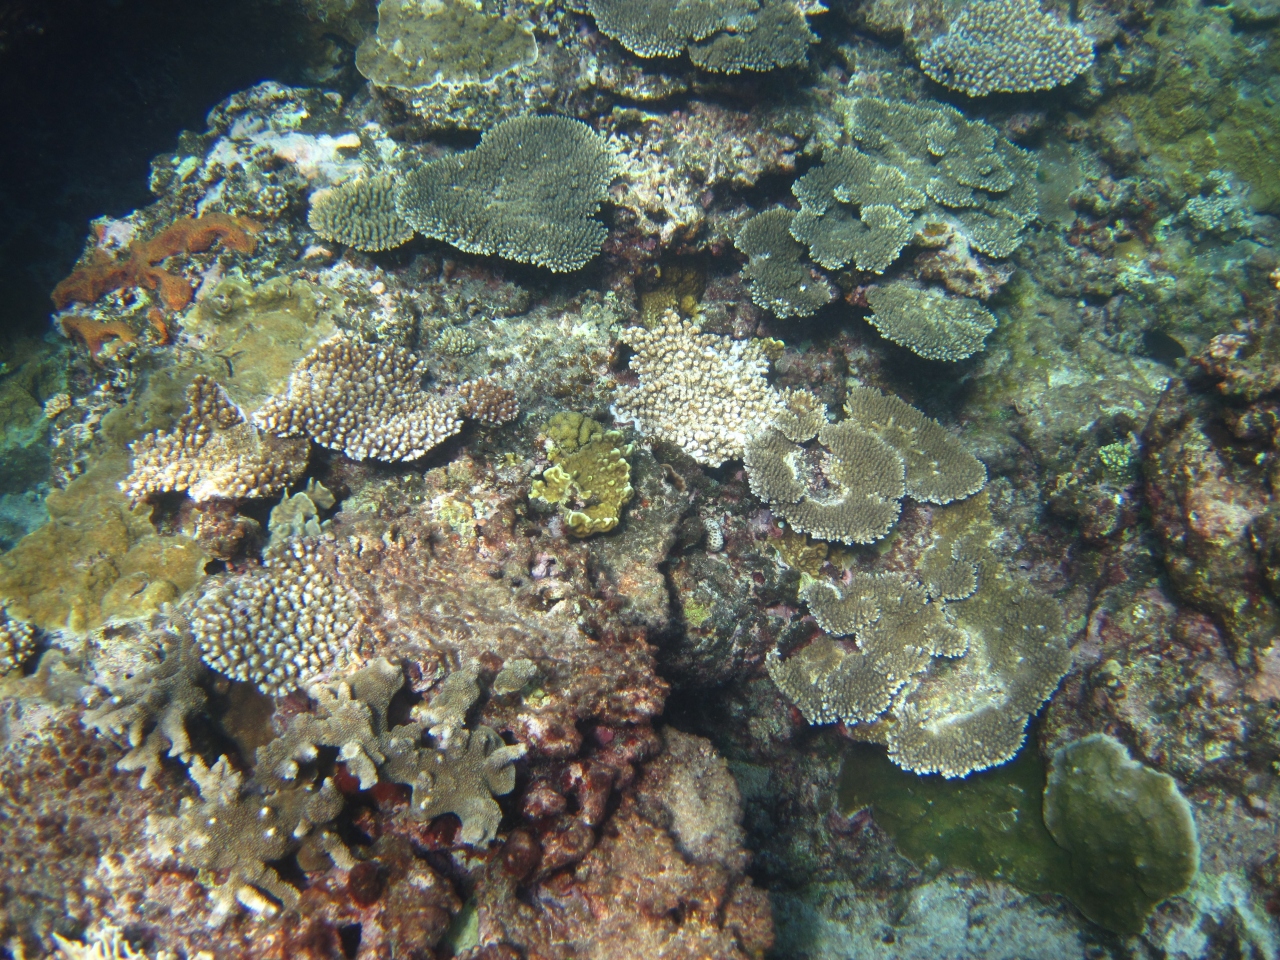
[589, 477]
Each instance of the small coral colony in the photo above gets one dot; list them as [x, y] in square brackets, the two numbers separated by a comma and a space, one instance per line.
[486, 507]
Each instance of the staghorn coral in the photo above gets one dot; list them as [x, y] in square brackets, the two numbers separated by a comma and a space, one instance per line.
[704, 393]
[978, 183]
[780, 280]
[441, 42]
[104, 273]
[213, 453]
[17, 643]
[149, 706]
[485, 401]
[929, 323]
[361, 214]
[870, 236]
[235, 829]
[1006, 46]
[589, 477]
[363, 400]
[282, 625]
[108, 943]
[730, 37]
[527, 192]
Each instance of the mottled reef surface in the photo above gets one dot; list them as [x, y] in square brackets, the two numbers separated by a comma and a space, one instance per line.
[699, 480]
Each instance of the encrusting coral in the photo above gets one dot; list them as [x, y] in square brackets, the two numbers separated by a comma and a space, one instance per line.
[780, 280]
[589, 477]
[1006, 46]
[929, 323]
[425, 44]
[705, 393]
[361, 214]
[528, 192]
[104, 273]
[723, 37]
[213, 453]
[885, 450]
[282, 625]
[362, 399]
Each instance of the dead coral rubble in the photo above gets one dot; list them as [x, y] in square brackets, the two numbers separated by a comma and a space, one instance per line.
[213, 453]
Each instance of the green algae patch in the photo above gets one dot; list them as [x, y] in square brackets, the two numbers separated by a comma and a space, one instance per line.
[989, 823]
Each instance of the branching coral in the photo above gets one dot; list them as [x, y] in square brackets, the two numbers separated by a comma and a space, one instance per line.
[589, 477]
[705, 393]
[1006, 46]
[17, 643]
[422, 44]
[363, 400]
[103, 273]
[282, 625]
[361, 214]
[213, 453]
[850, 492]
[930, 323]
[487, 402]
[780, 280]
[723, 37]
[528, 193]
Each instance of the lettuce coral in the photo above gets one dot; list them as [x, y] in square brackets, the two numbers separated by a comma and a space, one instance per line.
[589, 477]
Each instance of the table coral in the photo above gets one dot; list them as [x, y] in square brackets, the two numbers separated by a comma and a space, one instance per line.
[528, 193]
[213, 452]
[1006, 46]
[104, 273]
[363, 400]
[780, 280]
[929, 323]
[361, 214]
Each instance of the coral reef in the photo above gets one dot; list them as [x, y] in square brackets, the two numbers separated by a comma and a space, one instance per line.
[363, 400]
[1129, 833]
[704, 393]
[17, 643]
[283, 625]
[780, 280]
[526, 193]
[361, 214]
[487, 402]
[929, 323]
[726, 38]
[589, 478]
[213, 453]
[420, 45]
[1006, 46]
[104, 273]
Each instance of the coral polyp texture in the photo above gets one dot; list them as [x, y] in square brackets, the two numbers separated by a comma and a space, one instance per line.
[362, 399]
[976, 182]
[488, 402]
[1006, 46]
[425, 43]
[213, 453]
[930, 323]
[361, 214]
[104, 273]
[961, 652]
[780, 279]
[705, 393]
[589, 478]
[730, 37]
[528, 192]
[849, 491]
[17, 643]
[282, 625]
